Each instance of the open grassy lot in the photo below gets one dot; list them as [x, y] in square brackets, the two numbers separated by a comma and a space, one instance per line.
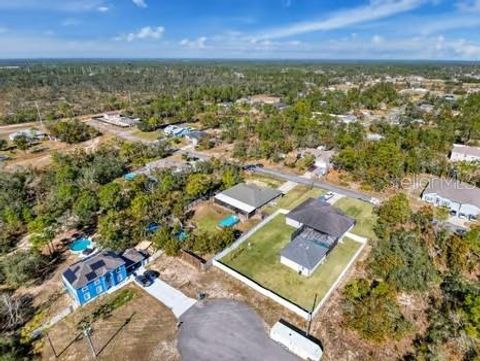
[150, 333]
[263, 180]
[362, 212]
[259, 259]
[149, 136]
[295, 197]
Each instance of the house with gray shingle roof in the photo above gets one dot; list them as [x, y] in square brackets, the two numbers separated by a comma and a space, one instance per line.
[462, 199]
[245, 199]
[91, 277]
[319, 227]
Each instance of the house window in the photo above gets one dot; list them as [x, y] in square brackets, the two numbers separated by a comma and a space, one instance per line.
[97, 282]
[99, 289]
[86, 296]
[85, 289]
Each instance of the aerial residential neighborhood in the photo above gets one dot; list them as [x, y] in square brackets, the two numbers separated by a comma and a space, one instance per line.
[239, 180]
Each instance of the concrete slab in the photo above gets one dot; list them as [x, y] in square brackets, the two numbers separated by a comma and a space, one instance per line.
[170, 297]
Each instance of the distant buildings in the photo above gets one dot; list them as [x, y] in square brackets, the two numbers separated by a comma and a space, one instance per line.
[176, 131]
[195, 136]
[462, 199]
[117, 119]
[30, 134]
[464, 153]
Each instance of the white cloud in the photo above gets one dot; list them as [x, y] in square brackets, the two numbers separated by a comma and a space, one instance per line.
[375, 10]
[3, 30]
[70, 22]
[377, 39]
[103, 9]
[147, 32]
[469, 5]
[198, 43]
[140, 3]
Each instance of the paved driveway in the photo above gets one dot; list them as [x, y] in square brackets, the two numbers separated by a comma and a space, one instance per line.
[170, 297]
[227, 330]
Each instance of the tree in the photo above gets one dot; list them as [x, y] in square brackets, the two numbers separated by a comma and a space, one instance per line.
[85, 208]
[197, 185]
[116, 231]
[21, 142]
[393, 212]
[110, 196]
[371, 309]
[22, 267]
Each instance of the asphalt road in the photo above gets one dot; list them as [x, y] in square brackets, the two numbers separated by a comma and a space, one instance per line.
[317, 184]
[226, 330]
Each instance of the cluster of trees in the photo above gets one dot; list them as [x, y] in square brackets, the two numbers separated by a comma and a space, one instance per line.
[69, 89]
[128, 208]
[413, 257]
[72, 131]
[66, 194]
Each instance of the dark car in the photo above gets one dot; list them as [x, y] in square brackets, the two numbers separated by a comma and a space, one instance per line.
[143, 281]
[151, 275]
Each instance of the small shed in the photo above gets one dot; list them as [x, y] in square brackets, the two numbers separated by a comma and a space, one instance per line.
[296, 342]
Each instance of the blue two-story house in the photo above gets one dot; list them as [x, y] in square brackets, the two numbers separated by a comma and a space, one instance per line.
[91, 277]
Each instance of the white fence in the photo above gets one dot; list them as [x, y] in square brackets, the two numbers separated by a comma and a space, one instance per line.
[339, 278]
[264, 291]
[247, 235]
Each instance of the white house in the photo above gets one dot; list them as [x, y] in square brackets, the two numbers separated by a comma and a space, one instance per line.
[464, 153]
[117, 119]
[462, 199]
[319, 227]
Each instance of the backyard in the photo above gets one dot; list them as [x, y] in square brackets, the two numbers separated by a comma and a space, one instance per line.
[208, 214]
[294, 198]
[259, 259]
[363, 213]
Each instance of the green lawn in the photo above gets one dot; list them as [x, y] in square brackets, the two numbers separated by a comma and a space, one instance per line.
[363, 214]
[206, 218]
[295, 197]
[259, 259]
[264, 180]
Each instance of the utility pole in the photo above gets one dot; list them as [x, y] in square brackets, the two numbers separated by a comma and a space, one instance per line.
[39, 116]
[311, 314]
[86, 331]
[51, 345]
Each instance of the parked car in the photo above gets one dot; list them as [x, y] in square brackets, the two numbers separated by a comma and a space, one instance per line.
[151, 275]
[326, 196]
[143, 281]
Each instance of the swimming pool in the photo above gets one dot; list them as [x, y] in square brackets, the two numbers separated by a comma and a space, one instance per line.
[80, 244]
[130, 176]
[229, 221]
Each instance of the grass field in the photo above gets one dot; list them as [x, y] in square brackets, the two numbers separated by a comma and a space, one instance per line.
[263, 180]
[363, 214]
[259, 259]
[295, 197]
[207, 216]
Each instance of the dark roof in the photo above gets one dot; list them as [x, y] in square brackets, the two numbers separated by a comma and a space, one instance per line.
[83, 272]
[322, 217]
[131, 256]
[305, 252]
[454, 190]
[252, 194]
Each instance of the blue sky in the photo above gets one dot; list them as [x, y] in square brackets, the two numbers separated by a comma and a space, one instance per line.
[278, 29]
